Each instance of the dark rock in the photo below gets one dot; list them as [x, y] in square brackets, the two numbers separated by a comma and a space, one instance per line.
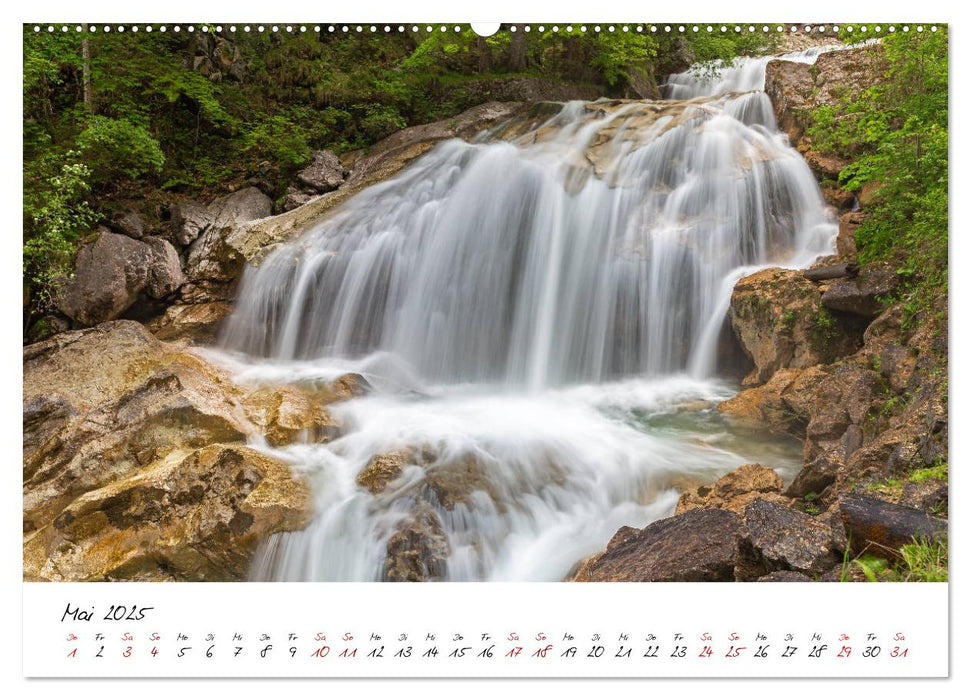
[128, 222]
[46, 326]
[929, 496]
[882, 528]
[784, 538]
[325, 172]
[814, 477]
[295, 198]
[699, 545]
[862, 295]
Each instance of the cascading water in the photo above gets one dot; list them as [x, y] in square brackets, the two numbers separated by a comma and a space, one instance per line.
[539, 321]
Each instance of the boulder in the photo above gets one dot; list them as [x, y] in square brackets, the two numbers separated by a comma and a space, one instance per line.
[777, 318]
[197, 323]
[382, 469]
[286, 415]
[784, 576]
[419, 549]
[815, 477]
[118, 423]
[865, 294]
[785, 538]
[128, 222]
[186, 517]
[734, 491]
[325, 172]
[188, 220]
[699, 545]
[112, 273]
[765, 404]
[211, 258]
[165, 275]
[295, 198]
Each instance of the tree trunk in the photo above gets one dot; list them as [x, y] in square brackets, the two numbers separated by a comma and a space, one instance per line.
[517, 51]
[485, 55]
[882, 528]
[86, 70]
[831, 272]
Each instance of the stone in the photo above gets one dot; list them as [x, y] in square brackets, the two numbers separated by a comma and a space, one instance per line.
[846, 238]
[929, 496]
[187, 517]
[127, 221]
[776, 316]
[295, 198]
[865, 294]
[734, 491]
[765, 405]
[785, 538]
[814, 477]
[784, 576]
[188, 219]
[198, 324]
[419, 550]
[211, 258]
[112, 273]
[383, 469]
[325, 172]
[131, 399]
[699, 545]
[165, 275]
[120, 424]
[286, 415]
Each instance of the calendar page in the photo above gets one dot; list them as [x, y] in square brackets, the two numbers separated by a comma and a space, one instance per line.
[387, 349]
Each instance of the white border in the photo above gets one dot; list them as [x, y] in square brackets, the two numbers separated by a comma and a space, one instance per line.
[508, 11]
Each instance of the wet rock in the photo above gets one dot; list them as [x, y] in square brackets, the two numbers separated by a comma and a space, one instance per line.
[112, 273]
[882, 528]
[764, 404]
[197, 323]
[113, 413]
[864, 294]
[734, 491]
[699, 545]
[286, 415]
[187, 517]
[383, 469]
[785, 538]
[419, 550]
[325, 172]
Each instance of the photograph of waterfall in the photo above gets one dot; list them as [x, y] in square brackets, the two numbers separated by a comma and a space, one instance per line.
[543, 303]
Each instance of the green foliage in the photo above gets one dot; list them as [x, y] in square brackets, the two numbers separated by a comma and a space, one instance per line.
[119, 148]
[922, 560]
[56, 217]
[896, 135]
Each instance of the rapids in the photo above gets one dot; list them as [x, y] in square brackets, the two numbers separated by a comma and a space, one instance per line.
[539, 310]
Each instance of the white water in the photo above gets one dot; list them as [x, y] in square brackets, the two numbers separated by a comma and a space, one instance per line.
[542, 309]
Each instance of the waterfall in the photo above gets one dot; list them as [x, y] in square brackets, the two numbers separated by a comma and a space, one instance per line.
[538, 316]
